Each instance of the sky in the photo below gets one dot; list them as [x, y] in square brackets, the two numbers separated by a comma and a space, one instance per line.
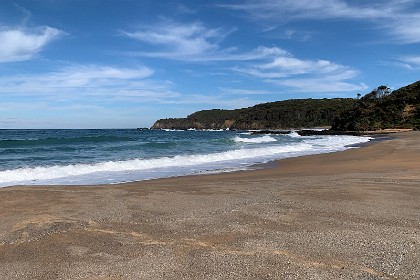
[127, 63]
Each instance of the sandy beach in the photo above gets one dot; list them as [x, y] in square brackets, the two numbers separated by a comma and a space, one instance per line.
[346, 215]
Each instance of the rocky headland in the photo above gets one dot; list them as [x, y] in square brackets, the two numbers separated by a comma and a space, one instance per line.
[380, 110]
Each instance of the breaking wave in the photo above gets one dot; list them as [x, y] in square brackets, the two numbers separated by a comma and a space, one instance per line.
[261, 139]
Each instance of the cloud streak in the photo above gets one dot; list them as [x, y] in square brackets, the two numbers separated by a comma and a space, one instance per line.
[179, 41]
[88, 83]
[398, 18]
[405, 28]
[303, 75]
[102, 86]
[84, 78]
[196, 43]
[192, 42]
[19, 44]
[287, 10]
[410, 62]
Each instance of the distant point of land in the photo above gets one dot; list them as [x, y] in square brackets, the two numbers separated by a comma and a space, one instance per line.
[381, 110]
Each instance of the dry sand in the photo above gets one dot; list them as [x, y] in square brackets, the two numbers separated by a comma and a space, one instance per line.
[346, 215]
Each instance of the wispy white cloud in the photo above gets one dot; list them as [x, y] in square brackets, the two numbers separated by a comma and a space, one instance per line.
[80, 76]
[282, 11]
[320, 84]
[410, 62]
[178, 40]
[404, 28]
[196, 43]
[304, 75]
[102, 86]
[398, 18]
[18, 44]
[193, 42]
[78, 81]
[286, 66]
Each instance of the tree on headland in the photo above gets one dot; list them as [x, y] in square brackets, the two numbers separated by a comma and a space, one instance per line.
[382, 91]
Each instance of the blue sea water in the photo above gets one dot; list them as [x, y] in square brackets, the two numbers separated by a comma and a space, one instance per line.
[105, 156]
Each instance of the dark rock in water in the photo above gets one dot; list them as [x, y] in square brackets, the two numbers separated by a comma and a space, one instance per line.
[270, 132]
[309, 132]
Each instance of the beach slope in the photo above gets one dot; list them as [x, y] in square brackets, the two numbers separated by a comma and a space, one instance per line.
[346, 215]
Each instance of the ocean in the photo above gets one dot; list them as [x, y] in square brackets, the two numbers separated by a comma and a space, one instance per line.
[110, 156]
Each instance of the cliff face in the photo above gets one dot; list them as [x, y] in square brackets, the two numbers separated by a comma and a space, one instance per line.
[172, 124]
[184, 123]
[287, 114]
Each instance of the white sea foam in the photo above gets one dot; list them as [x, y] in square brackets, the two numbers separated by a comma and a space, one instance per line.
[321, 142]
[294, 134]
[261, 139]
[214, 130]
[171, 130]
[35, 174]
[141, 169]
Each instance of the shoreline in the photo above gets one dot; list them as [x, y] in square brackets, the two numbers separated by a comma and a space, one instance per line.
[352, 214]
[248, 167]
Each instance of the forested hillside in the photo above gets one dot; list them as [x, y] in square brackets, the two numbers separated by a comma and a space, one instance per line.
[383, 109]
[379, 109]
[295, 113]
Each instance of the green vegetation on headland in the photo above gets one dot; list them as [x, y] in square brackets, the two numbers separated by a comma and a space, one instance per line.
[379, 109]
[383, 109]
[286, 114]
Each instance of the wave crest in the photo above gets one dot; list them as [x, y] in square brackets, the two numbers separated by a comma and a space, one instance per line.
[38, 175]
[261, 139]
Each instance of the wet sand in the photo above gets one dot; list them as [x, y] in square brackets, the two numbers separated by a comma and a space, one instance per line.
[347, 215]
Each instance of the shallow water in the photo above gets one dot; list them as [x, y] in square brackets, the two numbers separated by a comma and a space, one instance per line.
[29, 157]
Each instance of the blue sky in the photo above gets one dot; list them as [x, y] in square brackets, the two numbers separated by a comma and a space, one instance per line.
[126, 63]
